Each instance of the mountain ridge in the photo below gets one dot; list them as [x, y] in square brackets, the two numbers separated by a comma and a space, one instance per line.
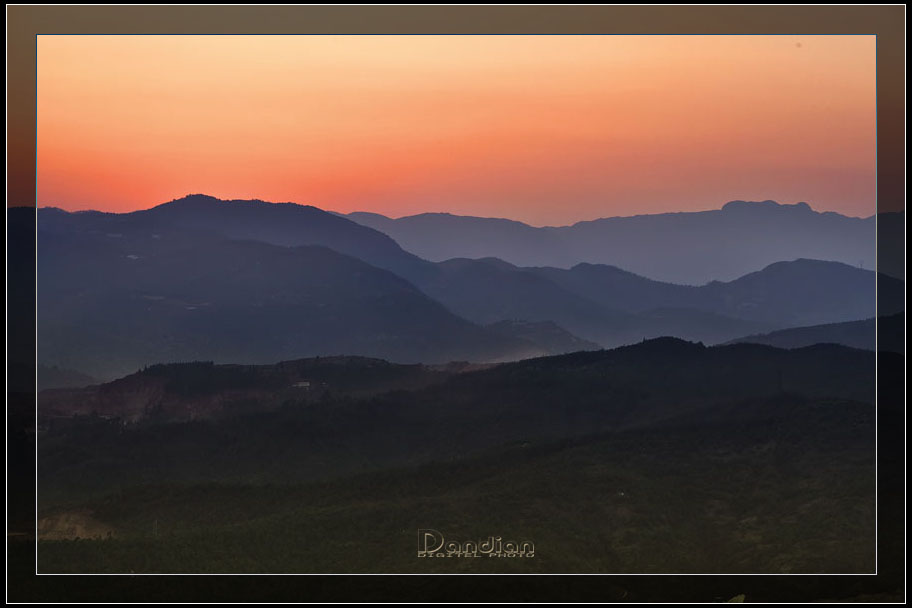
[595, 303]
[108, 304]
[688, 247]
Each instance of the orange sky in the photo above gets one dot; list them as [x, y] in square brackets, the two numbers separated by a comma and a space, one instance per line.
[543, 129]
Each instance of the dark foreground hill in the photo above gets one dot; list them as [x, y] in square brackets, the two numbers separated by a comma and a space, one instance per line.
[181, 392]
[578, 393]
[664, 456]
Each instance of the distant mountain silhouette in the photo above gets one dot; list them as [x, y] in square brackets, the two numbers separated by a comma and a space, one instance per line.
[613, 307]
[687, 248]
[857, 334]
[490, 290]
[806, 292]
[487, 291]
[285, 224]
[111, 302]
[227, 280]
[784, 294]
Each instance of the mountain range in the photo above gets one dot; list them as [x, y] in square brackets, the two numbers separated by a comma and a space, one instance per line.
[199, 278]
[689, 248]
[611, 306]
[207, 455]
[109, 303]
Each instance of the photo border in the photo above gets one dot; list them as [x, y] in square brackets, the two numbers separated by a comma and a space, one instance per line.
[26, 22]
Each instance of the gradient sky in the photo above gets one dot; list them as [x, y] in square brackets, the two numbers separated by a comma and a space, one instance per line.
[543, 129]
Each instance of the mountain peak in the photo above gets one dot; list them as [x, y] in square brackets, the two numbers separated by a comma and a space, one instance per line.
[190, 201]
[802, 264]
[767, 204]
[196, 198]
[205, 203]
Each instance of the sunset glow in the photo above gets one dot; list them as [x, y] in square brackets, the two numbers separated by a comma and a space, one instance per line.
[543, 129]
